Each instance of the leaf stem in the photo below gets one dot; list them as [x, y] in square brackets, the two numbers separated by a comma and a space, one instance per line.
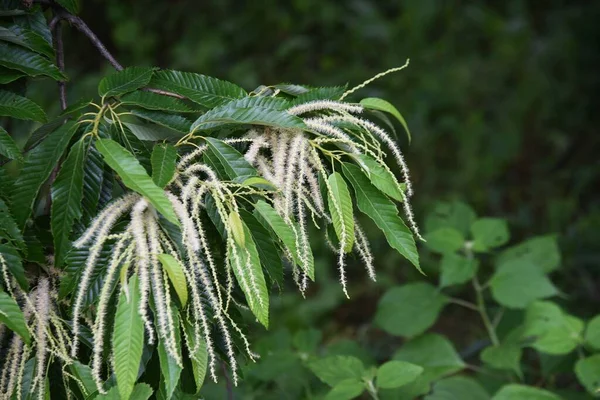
[372, 389]
[483, 312]
[463, 303]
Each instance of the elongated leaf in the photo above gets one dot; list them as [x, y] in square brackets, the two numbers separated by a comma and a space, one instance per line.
[9, 75]
[26, 38]
[250, 272]
[260, 182]
[9, 230]
[8, 147]
[67, 192]
[127, 80]
[84, 374]
[235, 224]
[33, 64]
[340, 208]
[233, 162]
[204, 90]
[199, 358]
[176, 275]
[93, 175]
[155, 101]
[170, 371]
[71, 6]
[149, 131]
[134, 176]
[383, 105]
[14, 264]
[164, 157]
[128, 339]
[12, 317]
[380, 177]
[383, 212]
[38, 166]
[15, 106]
[171, 121]
[321, 93]
[36, 22]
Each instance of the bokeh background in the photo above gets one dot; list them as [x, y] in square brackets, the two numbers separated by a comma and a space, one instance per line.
[501, 98]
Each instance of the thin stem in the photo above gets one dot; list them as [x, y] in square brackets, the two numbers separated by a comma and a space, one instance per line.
[483, 312]
[60, 59]
[463, 303]
[372, 389]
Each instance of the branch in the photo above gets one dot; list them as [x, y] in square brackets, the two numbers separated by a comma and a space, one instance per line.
[60, 59]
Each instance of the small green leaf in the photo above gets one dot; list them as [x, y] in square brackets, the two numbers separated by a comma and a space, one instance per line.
[134, 176]
[71, 6]
[170, 370]
[259, 182]
[176, 275]
[514, 391]
[592, 332]
[457, 269]
[380, 177]
[340, 208]
[9, 230]
[15, 106]
[164, 158]
[346, 390]
[458, 388]
[319, 93]
[12, 317]
[444, 240]
[409, 310]
[29, 62]
[489, 233]
[15, 264]
[335, 369]
[127, 80]
[541, 251]
[128, 339]
[383, 105]
[394, 374]
[588, 373]
[83, 373]
[200, 358]
[504, 356]
[233, 162]
[155, 101]
[455, 214]
[517, 284]
[235, 223]
[385, 214]
[171, 121]
[8, 147]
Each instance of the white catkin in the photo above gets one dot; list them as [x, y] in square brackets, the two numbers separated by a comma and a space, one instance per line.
[319, 105]
[364, 250]
[185, 160]
[254, 148]
[42, 313]
[188, 230]
[10, 371]
[290, 174]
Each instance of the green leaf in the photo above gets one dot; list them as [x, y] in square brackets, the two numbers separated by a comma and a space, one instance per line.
[12, 317]
[385, 214]
[396, 373]
[176, 275]
[67, 192]
[27, 38]
[15, 265]
[458, 388]
[8, 147]
[71, 6]
[170, 121]
[149, 131]
[125, 81]
[346, 390]
[489, 233]
[141, 391]
[592, 332]
[235, 224]
[588, 373]
[374, 103]
[260, 182]
[155, 101]
[517, 284]
[9, 75]
[170, 370]
[506, 355]
[204, 90]
[335, 369]
[33, 64]
[455, 214]
[456, 269]
[320, 93]
[93, 176]
[37, 168]
[541, 251]
[164, 158]
[134, 176]
[83, 373]
[9, 229]
[36, 22]
[233, 162]
[15, 106]
[421, 304]
[200, 358]
[340, 208]
[250, 271]
[514, 391]
[553, 331]
[128, 338]
[444, 240]
[380, 177]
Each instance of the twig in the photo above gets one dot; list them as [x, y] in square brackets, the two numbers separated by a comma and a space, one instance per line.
[60, 59]
[463, 303]
[483, 312]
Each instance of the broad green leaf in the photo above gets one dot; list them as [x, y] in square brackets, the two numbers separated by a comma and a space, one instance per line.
[9, 75]
[125, 81]
[456, 269]
[170, 121]
[200, 358]
[29, 62]
[134, 176]
[592, 332]
[164, 158]
[250, 272]
[26, 38]
[155, 101]
[455, 214]
[35, 21]
[71, 6]
[375, 103]
[235, 224]
[346, 390]
[93, 176]
[385, 214]
[409, 310]
[204, 90]
[67, 192]
[335, 369]
[395, 373]
[458, 388]
[12, 317]
[267, 214]
[233, 162]
[15, 106]
[517, 284]
[340, 208]
[444, 240]
[541, 251]
[128, 338]
[85, 380]
[141, 391]
[489, 233]
[176, 275]
[37, 168]
[291, 89]
[15, 264]
[552, 331]
[8, 147]
[380, 177]
[149, 131]
[170, 370]
[588, 373]
[504, 356]
[514, 391]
